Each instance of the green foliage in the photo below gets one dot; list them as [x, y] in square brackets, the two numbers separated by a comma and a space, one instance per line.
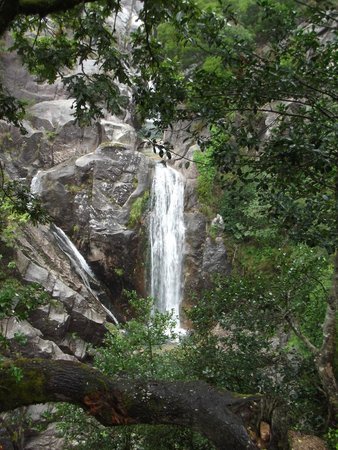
[136, 348]
[19, 300]
[75, 188]
[10, 221]
[51, 135]
[332, 438]
[245, 214]
[16, 373]
[119, 271]
[18, 206]
[137, 209]
[53, 50]
[268, 21]
[11, 108]
[207, 184]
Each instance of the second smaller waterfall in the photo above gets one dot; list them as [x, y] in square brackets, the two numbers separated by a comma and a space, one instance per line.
[167, 238]
[78, 263]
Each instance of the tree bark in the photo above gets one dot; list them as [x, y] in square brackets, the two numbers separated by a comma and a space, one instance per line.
[220, 416]
[9, 9]
[44, 7]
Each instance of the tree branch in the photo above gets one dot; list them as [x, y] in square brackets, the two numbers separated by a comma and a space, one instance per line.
[215, 414]
[9, 9]
[44, 7]
[296, 329]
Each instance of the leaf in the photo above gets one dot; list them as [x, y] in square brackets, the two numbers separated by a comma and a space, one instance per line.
[187, 164]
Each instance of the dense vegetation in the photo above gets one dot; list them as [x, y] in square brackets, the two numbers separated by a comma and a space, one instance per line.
[255, 83]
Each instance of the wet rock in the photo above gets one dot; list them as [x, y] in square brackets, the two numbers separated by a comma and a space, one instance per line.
[52, 320]
[205, 255]
[74, 344]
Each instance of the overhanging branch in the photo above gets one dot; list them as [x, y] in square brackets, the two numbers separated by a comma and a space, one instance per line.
[215, 414]
[44, 7]
[9, 9]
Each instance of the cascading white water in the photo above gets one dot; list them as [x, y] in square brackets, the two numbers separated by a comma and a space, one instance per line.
[79, 263]
[36, 183]
[167, 239]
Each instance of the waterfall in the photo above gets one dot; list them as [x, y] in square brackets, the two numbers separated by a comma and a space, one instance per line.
[79, 263]
[167, 239]
[77, 260]
[36, 183]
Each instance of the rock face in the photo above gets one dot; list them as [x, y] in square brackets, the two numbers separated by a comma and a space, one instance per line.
[75, 316]
[98, 196]
[95, 199]
[95, 185]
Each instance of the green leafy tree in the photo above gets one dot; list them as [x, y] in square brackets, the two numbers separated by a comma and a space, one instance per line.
[272, 115]
[255, 331]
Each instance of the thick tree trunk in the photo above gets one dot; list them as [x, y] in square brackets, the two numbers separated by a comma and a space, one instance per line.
[219, 416]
